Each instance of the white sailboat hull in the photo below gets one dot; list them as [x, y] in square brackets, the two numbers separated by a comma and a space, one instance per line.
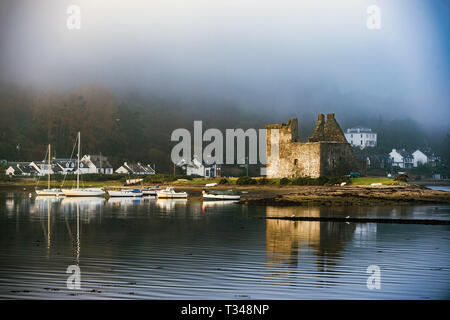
[162, 195]
[50, 192]
[88, 192]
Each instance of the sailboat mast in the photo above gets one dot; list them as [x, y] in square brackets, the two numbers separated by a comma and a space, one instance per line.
[49, 166]
[78, 162]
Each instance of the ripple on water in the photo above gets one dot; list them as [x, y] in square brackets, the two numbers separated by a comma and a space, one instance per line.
[186, 251]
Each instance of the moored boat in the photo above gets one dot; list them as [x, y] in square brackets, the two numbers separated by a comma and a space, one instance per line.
[125, 193]
[221, 195]
[170, 193]
[151, 191]
[82, 192]
[49, 191]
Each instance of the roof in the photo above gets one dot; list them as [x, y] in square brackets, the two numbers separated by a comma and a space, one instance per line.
[23, 167]
[328, 130]
[138, 168]
[100, 161]
[195, 163]
[71, 162]
[405, 154]
[359, 129]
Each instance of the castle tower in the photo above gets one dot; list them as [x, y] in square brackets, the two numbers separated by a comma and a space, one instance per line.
[326, 154]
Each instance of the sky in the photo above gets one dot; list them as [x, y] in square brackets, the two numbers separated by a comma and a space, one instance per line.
[287, 56]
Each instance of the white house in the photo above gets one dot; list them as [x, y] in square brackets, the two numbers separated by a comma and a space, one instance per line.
[43, 168]
[69, 166]
[195, 167]
[419, 158]
[97, 164]
[135, 168]
[361, 137]
[401, 158]
[20, 168]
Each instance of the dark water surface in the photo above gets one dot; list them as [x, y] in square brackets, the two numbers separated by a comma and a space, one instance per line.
[165, 249]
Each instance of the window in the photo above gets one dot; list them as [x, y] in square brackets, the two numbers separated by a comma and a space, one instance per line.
[295, 162]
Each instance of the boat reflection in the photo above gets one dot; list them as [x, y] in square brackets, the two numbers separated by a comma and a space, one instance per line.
[216, 205]
[124, 201]
[170, 204]
[43, 207]
[287, 241]
[86, 208]
[84, 203]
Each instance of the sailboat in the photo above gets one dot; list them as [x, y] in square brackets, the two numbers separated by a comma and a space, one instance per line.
[49, 191]
[82, 192]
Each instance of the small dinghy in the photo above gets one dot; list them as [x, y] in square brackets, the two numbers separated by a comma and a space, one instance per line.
[125, 193]
[221, 195]
[169, 193]
[150, 191]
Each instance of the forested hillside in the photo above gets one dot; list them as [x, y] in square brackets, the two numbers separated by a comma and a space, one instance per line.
[137, 128]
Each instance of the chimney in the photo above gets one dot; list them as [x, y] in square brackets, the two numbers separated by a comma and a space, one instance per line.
[318, 133]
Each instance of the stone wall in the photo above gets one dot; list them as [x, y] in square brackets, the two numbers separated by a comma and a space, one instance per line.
[326, 154]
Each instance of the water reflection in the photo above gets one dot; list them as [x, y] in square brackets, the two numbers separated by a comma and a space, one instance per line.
[217, 205]
[170, 205]
[287, 241]
[124, 202]
[191, 249]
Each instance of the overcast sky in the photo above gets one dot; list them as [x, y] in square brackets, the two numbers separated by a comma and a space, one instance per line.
[291, 55]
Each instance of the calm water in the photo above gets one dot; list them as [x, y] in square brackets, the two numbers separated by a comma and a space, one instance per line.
[441, 188]
[167, 249]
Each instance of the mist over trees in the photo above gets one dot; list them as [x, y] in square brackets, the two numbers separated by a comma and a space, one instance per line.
[134, 127]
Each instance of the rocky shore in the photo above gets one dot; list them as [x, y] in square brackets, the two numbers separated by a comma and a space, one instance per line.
[346, 196]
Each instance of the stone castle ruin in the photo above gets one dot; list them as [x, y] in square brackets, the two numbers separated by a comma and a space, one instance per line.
[327, 152]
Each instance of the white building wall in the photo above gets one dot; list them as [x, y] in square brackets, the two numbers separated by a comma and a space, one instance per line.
[419, 157]
[122, 170]
[397, 159]
[362, 139]
[194, 170]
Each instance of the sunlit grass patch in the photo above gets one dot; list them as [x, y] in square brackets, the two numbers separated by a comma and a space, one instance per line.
[369, 180]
